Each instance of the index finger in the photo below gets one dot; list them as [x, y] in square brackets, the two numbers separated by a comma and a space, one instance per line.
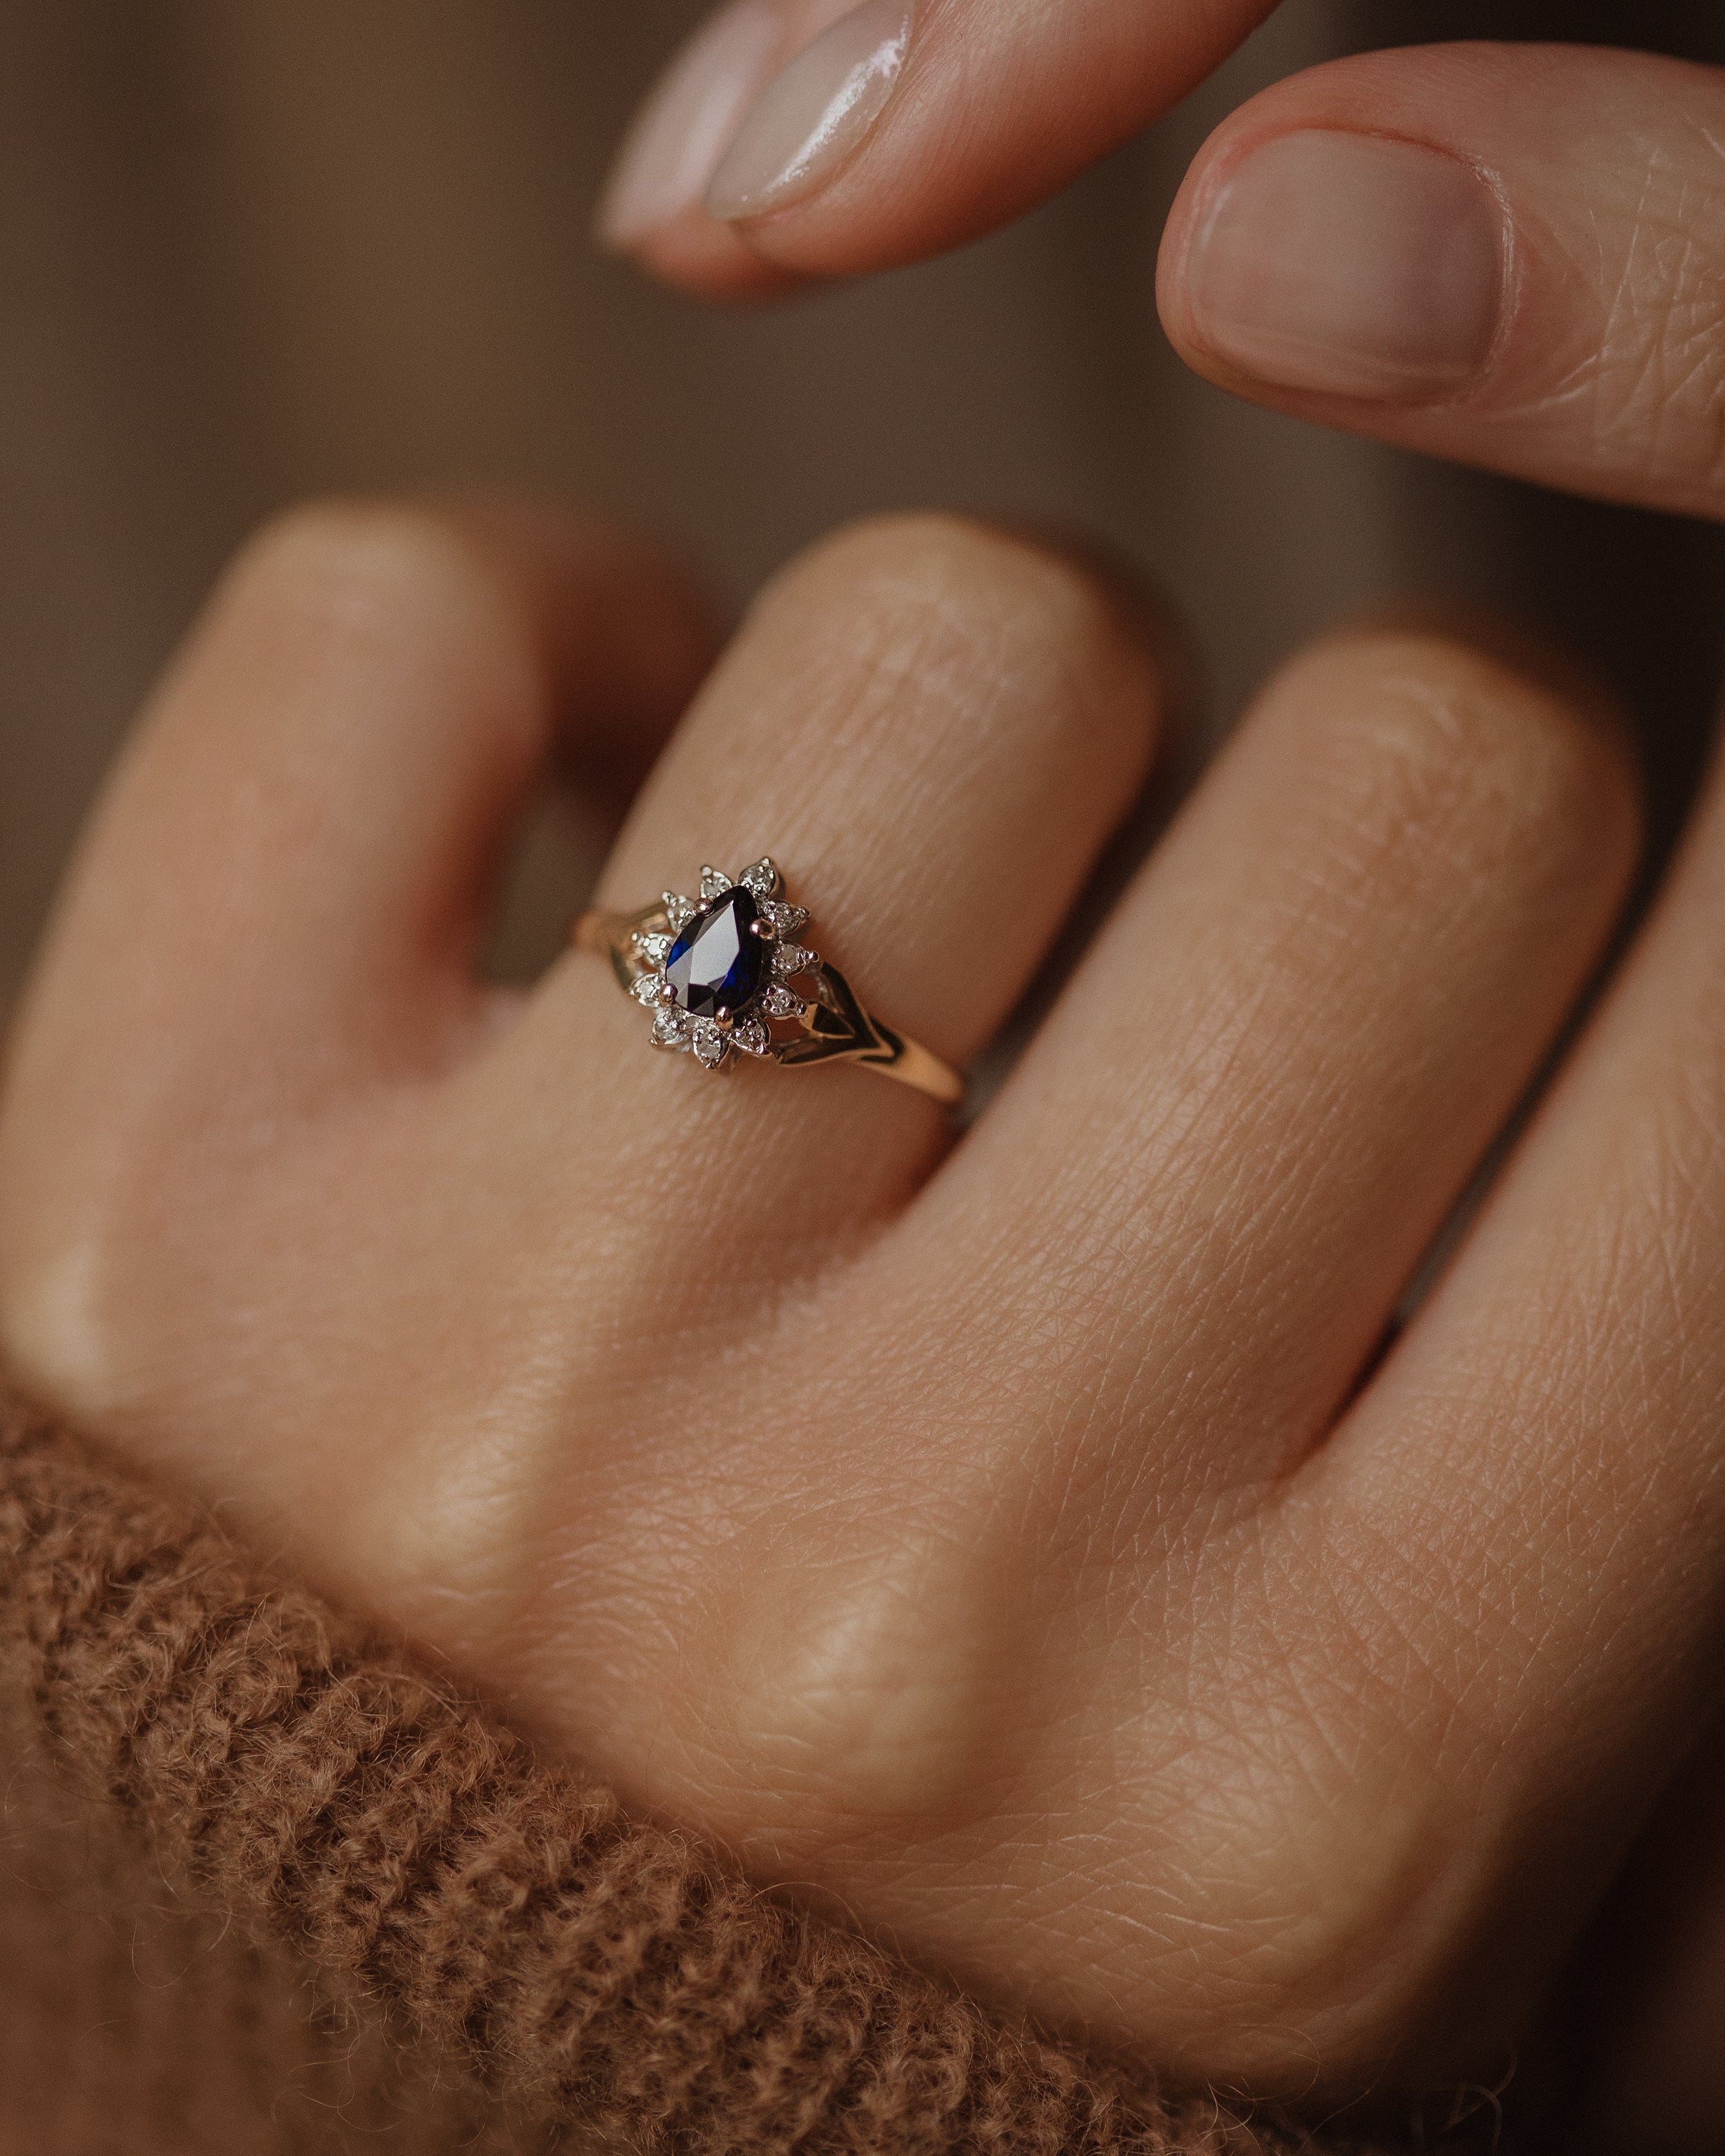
[816, 138]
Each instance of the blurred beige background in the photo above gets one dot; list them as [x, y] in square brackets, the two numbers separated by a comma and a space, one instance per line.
[257, 249]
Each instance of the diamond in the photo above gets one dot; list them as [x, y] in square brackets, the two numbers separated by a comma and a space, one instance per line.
[791, 959]
[714, 882]
[645, 987]
[781, 1002]
[781, 919]
[679, 910]
[717, 960]
[654, 949]
[753, 1037]
[709, 1044]
[763, 879]
[670, 1029]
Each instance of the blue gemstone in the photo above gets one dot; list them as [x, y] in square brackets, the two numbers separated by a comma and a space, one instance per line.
[718, 960]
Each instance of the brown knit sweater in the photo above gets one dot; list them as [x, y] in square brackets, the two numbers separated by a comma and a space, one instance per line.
[264, 1887]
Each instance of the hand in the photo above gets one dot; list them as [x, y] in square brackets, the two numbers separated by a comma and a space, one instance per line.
[1511, 256]
[997, 1539]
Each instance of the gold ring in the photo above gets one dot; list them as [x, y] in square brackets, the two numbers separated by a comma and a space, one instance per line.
[727, 975]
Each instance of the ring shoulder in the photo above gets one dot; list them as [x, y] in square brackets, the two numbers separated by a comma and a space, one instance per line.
[836, 1025]
[838, 1029]
[834, 1028]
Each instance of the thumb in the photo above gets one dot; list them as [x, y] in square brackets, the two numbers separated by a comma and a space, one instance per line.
[806, 138]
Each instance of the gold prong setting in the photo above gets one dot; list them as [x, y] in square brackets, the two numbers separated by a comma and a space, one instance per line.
[727, 975]
[723, 968]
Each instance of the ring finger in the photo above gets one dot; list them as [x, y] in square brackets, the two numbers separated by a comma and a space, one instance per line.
[933, 728]
[1128, 1307]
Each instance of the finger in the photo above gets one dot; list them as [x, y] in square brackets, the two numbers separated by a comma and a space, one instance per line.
[295, 857]
[1533, 1485]
[1142, 1289]
[1512, 256]
[1262, 1093]
[275, 907]
[225, 1138]
[653, 205]
[932, 727]
[808, 138]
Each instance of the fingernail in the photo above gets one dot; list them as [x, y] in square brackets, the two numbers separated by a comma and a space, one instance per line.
[813, 113]
[1352, 266]
[682, 130]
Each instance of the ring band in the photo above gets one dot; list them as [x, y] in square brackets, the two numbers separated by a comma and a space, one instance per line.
[727, 975]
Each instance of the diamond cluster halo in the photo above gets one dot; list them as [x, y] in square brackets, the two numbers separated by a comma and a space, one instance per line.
[725, 967]
[727, 976]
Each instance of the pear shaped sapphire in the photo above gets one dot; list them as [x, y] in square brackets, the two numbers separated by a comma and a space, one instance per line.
[718, 960]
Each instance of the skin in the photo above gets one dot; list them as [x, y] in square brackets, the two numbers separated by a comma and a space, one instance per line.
[996, 1538]
[1000, 1540]
[999, 105]
[1606, 377]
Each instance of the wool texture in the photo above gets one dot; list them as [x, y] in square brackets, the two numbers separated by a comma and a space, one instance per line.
[278, 1888]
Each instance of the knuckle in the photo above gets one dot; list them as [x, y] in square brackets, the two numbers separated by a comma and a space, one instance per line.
[982, 607]
[883, 1696]
[343, 576]
[51, 1334]
[1438, 751]
[319, 542]
[73, 1237]
[1322, 1832]
[62, 1213]
[932, 558]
